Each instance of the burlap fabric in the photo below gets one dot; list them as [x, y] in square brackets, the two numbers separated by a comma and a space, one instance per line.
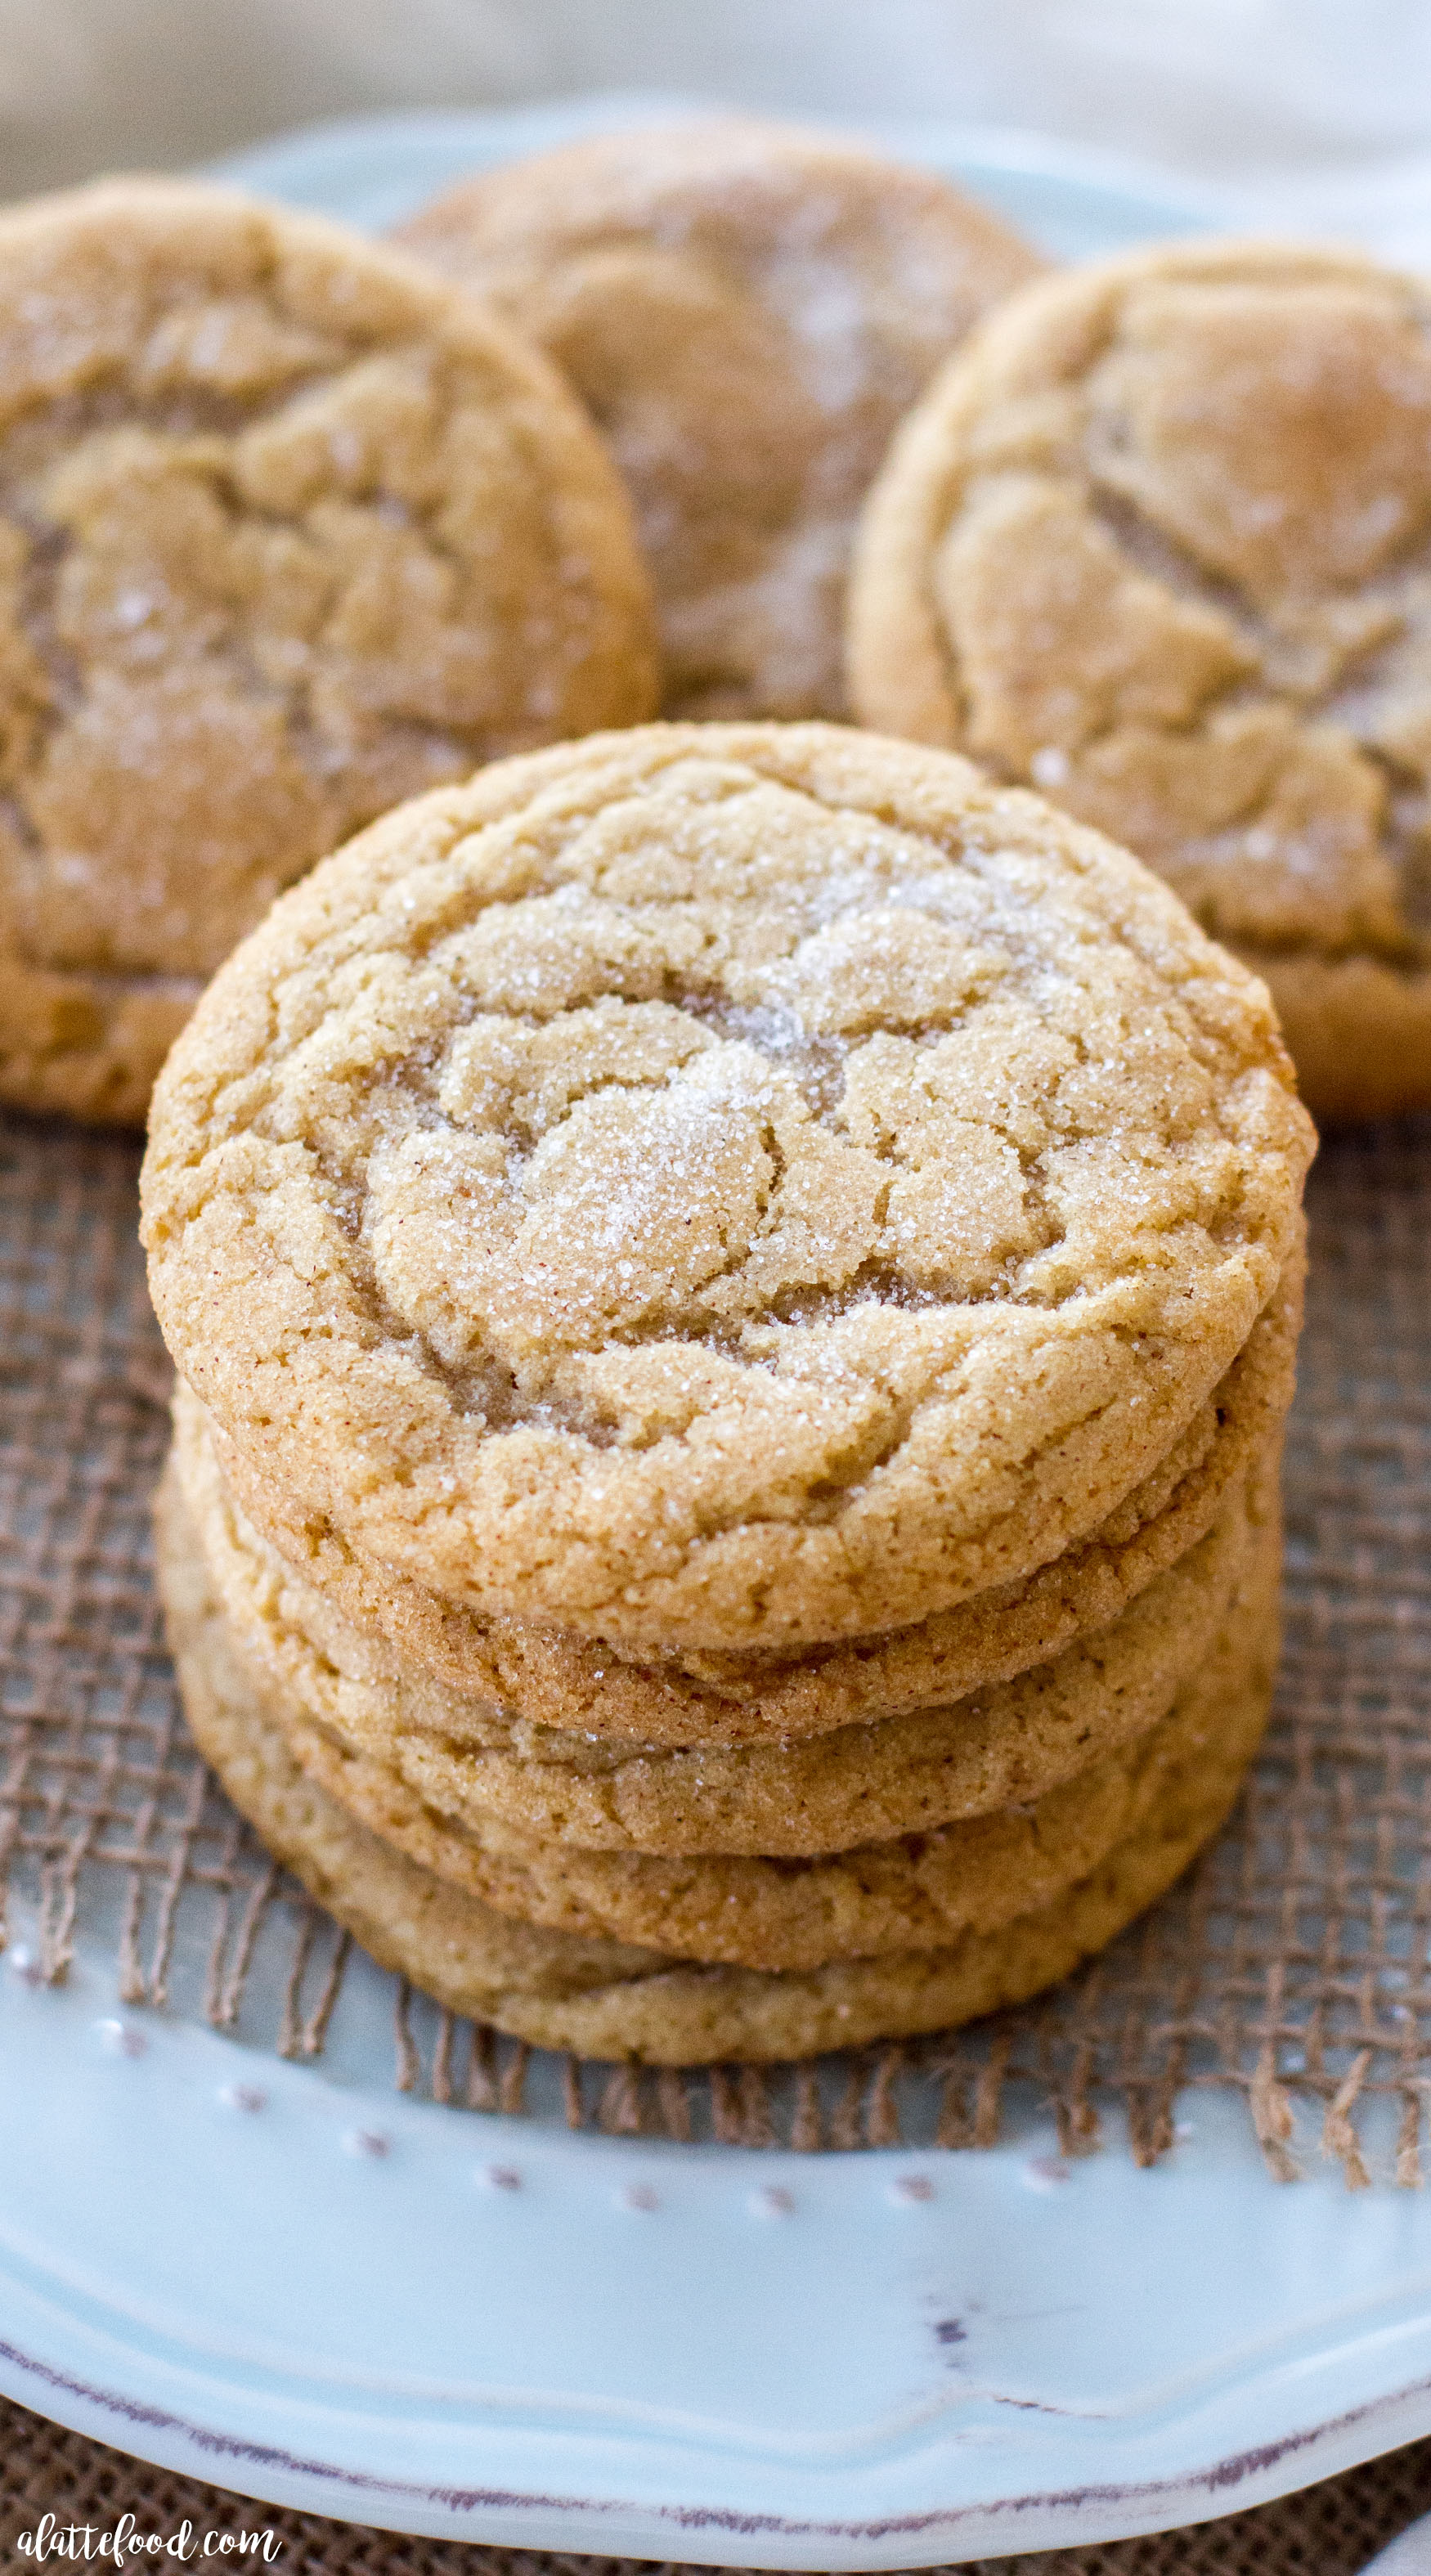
[1289, 1969]
[1327, 2530]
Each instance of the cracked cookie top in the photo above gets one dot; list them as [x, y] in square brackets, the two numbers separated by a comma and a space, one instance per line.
[724, 1185]
[746, 309]
[1159, 540]
[288, 531]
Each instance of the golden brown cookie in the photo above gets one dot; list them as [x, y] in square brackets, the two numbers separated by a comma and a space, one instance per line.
[1159, 541]
[570, 1684]
[604, 1999]
[288, 530]
[746, 309]
[477, 1764]
[916, 1892]
[736, 1185]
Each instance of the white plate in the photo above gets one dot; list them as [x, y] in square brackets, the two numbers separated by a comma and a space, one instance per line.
[1409, 2555]
[297, 2284]
[294, 2282]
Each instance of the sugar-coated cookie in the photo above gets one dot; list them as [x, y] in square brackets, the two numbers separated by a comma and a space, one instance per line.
[736, 1184]
[1158, 540]
[746, 309]
[289, 530]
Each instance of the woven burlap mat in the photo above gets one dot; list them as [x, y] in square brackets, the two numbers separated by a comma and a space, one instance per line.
[1327, 2530]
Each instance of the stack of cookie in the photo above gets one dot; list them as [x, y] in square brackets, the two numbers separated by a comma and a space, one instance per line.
[736, 1292]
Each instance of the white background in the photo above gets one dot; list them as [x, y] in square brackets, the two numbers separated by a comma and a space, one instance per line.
[1300, 109]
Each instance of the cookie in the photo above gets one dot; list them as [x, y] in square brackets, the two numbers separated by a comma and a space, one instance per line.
[1157, 540]
[289, 530]
[576, 1687]
[915, 1892]
[477, 1764]
[602, 1999]
[746, 310]
[727, 1185]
